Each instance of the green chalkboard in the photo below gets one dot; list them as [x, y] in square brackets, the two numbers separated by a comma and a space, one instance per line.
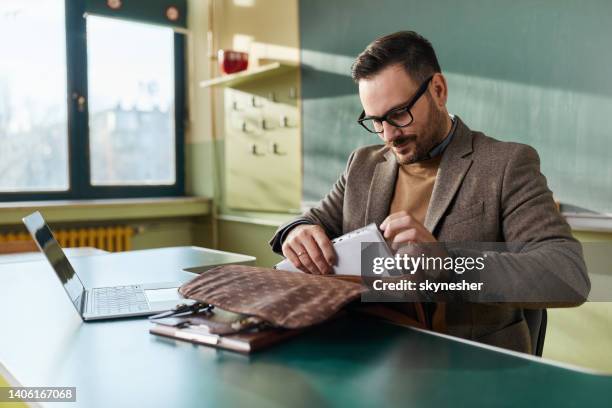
[537, 72]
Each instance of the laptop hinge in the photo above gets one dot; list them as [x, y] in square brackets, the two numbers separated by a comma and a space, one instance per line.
[84, 299]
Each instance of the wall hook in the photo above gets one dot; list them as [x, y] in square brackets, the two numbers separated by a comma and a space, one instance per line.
[254, 151]
[276, 151]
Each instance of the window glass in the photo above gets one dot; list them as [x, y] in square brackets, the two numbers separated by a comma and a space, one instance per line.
[131, 102]
[33, 96]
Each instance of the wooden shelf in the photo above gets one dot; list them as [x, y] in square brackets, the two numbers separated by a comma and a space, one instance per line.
[243, 77]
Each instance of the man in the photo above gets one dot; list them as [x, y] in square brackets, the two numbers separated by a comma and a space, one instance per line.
[435, 180]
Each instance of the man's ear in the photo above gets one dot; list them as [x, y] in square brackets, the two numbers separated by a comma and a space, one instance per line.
[439, 89]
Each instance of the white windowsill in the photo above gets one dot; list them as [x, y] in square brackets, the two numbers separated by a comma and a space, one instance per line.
[589, 222]
[106, 209]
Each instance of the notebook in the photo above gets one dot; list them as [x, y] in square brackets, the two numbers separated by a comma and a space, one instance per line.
[349, 249]
[206, 329]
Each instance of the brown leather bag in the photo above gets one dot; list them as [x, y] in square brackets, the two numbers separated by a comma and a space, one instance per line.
[284, 299]
[288, 299]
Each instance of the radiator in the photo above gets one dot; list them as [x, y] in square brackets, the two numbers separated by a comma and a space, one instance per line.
[112, 238]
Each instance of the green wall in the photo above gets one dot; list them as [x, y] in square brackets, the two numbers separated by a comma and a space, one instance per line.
[249, 239]
[535, 72]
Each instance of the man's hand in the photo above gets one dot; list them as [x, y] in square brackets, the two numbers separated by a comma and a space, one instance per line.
[401, 228]
[409, 237]
[310, 250]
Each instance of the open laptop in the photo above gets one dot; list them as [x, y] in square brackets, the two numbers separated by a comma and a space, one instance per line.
[107, 302]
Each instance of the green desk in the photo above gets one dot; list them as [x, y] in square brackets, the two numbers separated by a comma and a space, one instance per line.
[351, 362]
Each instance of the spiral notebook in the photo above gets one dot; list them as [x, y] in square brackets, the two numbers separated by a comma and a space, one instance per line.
[207, 328]
[348, 249]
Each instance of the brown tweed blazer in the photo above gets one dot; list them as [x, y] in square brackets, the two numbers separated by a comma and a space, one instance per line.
[486, 191]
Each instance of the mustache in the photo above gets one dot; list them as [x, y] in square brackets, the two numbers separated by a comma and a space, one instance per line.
[401, 140]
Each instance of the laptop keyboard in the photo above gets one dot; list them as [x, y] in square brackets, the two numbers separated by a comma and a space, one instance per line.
[119, 299]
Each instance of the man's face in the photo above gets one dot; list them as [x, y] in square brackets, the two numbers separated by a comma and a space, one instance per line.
[391, 88]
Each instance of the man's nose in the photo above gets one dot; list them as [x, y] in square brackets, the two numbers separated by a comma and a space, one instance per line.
[390, 132]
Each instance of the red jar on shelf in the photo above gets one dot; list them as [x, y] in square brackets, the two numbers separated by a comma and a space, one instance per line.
[233, 61]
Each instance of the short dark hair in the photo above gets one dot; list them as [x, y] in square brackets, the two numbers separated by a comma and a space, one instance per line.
[407, 48]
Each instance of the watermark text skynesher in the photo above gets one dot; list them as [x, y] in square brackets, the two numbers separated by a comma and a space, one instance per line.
[410, 264]
[429, 286]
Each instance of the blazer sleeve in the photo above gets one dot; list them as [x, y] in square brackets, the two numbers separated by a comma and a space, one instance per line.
[327, 213]
[546, 268]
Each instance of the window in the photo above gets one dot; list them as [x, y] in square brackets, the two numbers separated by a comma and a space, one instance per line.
[131, 103]
[91, 106]
[33, 112]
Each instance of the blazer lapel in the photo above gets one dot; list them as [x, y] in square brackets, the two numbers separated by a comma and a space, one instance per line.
[381, 189]
[453, 167]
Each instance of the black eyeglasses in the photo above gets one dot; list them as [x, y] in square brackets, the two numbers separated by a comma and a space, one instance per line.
[398, 117]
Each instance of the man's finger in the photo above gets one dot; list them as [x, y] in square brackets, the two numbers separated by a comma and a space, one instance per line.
[326, 246]
[295, 260]
[316, 255]
[308, 265]
[397, 225]
[392, 217]
[405, 237]
[298, 246]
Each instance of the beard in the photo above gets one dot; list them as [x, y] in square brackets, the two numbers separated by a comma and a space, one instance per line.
[432, 135]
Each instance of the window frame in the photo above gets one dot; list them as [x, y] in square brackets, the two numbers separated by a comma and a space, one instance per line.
[80, 186]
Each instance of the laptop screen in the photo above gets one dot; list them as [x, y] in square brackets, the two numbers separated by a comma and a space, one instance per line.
[49, 246]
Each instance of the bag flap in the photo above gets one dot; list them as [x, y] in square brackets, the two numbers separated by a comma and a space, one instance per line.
[284, 299]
